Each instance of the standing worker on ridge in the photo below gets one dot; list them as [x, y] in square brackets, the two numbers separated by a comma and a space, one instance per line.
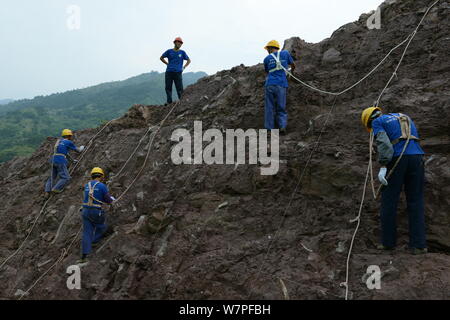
[174, 72]
[59, 163]
[392, 133]
[276, 116]
[94, 222]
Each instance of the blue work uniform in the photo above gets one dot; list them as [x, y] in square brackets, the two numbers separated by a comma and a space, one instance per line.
[60, 173]
[94, 222]
[174, 72]
[276, 116]
[409, 173]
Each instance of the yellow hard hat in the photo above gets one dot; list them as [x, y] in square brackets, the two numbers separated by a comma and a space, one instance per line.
[67, 133]
[367, 116]
[273, 43]
[97, 171]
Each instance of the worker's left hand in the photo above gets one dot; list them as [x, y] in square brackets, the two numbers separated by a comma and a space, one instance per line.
[82, 148]
[382, 176]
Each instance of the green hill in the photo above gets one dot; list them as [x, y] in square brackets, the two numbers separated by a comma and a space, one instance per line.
[25, 123]
[5, 101]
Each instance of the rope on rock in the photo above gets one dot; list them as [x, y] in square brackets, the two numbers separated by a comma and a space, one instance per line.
[296, 188]
[63, 255]
[150, 145]
[408, 40]
[370, 166]
[28, 235]
[133, 153]
[355, 84]
[51, 197]
[66, 251]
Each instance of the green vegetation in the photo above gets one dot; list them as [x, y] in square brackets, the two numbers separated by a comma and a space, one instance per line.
[25, 124]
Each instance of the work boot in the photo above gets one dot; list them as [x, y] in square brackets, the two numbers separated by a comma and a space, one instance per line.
[283, 132]
[47, 196]
[83, 260]
[57, 191]
[417, 252]
[384, 248]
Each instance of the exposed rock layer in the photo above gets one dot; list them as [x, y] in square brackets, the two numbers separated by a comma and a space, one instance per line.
[203, 232]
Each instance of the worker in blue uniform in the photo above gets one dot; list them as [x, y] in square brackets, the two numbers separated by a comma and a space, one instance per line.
[174, 72]
[96, 195]
[275, 64]
[397, 140]
[60, 176]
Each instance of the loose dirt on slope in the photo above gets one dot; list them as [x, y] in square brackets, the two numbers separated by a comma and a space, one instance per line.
[226, 232]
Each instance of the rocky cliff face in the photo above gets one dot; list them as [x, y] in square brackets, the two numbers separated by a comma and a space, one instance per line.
[226, 232]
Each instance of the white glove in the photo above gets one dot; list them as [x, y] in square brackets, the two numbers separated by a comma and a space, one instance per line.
[114, 199]
[81, 149]
[382, 176]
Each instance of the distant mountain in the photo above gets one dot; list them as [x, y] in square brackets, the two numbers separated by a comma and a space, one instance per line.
[25, 123]
[5, 101]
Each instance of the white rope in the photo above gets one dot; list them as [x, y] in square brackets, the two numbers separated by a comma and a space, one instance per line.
[150, 145]
[48, 200]
[89, 145]
[412, 36]
[354, 85]
[408, 39]
[64, 253]
[358, 218]
[295, 191]
[29, 233]
[134, 152]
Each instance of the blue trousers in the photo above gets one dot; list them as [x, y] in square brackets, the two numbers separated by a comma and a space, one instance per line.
[94, 226]
[60, 175]
[409, 173]
[276, 115]
[172, 77]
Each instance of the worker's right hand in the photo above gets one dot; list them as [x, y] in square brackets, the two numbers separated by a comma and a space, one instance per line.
[382, 176]
[81, 149]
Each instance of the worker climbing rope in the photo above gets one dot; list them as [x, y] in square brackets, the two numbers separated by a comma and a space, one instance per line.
[401, 158]
[275, 64]
[59, 163]
[96, 195]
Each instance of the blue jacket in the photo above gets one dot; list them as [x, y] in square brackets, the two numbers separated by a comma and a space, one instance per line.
[390, 125]
[176, 59]
[277, 78]
[101, 195]
[62, 150]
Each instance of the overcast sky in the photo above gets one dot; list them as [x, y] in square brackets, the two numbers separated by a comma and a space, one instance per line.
[117, 39]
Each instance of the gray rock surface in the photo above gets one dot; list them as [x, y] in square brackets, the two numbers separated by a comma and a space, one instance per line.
[184, 249]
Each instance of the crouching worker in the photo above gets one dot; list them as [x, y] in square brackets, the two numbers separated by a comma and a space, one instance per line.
[397, 140]
[96, 194]
[59, 163]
